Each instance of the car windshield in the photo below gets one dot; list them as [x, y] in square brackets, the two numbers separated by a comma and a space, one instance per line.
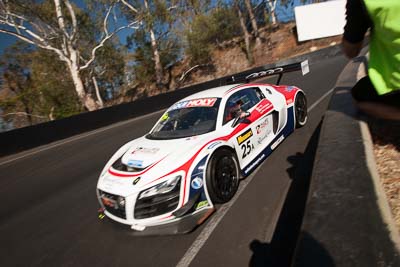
[186, 119]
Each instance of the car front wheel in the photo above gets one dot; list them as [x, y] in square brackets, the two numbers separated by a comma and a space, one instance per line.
[222, 176]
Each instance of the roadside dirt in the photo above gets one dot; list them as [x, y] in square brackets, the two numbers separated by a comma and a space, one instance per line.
[386, 139]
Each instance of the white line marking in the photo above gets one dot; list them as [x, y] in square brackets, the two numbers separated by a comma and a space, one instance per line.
[80, 136]
[320, 99]
[216, 219]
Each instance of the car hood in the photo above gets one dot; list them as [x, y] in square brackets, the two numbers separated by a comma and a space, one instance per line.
[150, 160]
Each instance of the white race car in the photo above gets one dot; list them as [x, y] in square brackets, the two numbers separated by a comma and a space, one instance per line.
[169, 180]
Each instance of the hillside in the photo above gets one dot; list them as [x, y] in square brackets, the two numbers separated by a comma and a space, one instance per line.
[229, 57]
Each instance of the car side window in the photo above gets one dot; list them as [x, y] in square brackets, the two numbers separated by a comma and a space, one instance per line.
[241, 101]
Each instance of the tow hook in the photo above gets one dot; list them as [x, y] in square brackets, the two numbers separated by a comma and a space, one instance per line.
[101, 214]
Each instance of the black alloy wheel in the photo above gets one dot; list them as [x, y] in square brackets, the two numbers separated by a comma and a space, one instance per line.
[222, 176]
[300, 109]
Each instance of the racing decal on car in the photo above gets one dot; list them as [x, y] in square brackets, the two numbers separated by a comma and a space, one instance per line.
[290, 88]
[288, 91]
[124, 175]
[277, 142]
[246, 148]
[136, 181]
[201, 102]
[263, 73]
[264, 106]
[201, 204]
[255, 163]
[146, 150]
[262, 125]
[244, 136]
[197, 183]
[263, 137]
[213, 145]
[135, 163]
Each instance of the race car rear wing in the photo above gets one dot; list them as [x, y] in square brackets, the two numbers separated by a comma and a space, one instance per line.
[264, 72]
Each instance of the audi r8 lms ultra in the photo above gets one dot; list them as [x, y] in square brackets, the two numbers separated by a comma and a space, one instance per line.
[169, 180]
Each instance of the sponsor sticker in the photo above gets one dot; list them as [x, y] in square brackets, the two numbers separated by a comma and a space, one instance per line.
[146, 150]
[201, 204]
[262, 125]
[136, 181]
[254, 164]
[213, 145]
[263, 107]
[201, 102]
[165, 117]
[263, 137]
[289, 88]
[135, 163]
[197, 183]
[244, 136]
[277, 142]
[264, 73]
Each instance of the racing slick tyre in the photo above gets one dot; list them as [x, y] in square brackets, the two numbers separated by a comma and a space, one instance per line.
[222, 176]
[300, 109]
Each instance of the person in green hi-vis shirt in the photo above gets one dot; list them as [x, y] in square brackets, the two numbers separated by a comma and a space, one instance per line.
[377, 94]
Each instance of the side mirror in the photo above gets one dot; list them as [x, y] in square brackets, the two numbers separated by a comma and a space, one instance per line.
[241, 118]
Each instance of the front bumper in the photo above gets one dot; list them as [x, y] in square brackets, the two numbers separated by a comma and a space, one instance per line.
[182, 225]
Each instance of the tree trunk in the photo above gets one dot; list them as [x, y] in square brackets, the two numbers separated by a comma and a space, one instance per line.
[86, 99]
[246, 34]
[156, 54]
[157, 60]
[253, 21]
[96, 88]
[272, 6]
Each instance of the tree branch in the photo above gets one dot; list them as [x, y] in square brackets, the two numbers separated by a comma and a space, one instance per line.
[60, 18]
[183, 76]
[130, 6]
[107, 37]
[73, 18]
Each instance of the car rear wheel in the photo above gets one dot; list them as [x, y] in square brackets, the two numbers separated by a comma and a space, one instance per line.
[222, 176]
[300, 109]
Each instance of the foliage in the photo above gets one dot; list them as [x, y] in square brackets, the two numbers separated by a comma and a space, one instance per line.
[208, 30]
[50, 81]
[158, 19]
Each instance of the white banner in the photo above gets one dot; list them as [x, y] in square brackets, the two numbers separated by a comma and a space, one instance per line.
[320, 20]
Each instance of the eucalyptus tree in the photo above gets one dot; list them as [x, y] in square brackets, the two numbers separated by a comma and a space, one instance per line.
[156, 19]
[57, 26]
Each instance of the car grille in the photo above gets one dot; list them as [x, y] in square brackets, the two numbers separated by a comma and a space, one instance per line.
[157, 205]
[110, 202]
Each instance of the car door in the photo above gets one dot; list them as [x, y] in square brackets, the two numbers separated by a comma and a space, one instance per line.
[248, 134]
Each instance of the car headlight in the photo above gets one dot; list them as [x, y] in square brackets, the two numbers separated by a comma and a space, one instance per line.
[162, 188]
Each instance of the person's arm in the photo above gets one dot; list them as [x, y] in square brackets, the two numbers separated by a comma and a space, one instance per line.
[357, 24]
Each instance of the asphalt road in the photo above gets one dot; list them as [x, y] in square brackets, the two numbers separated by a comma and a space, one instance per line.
[48, 215]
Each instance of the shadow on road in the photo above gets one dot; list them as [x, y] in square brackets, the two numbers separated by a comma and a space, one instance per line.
[281, 249]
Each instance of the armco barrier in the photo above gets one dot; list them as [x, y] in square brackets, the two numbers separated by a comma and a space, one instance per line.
[28, 137]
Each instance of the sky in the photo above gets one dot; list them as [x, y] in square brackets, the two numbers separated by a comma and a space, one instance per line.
[284, 14]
